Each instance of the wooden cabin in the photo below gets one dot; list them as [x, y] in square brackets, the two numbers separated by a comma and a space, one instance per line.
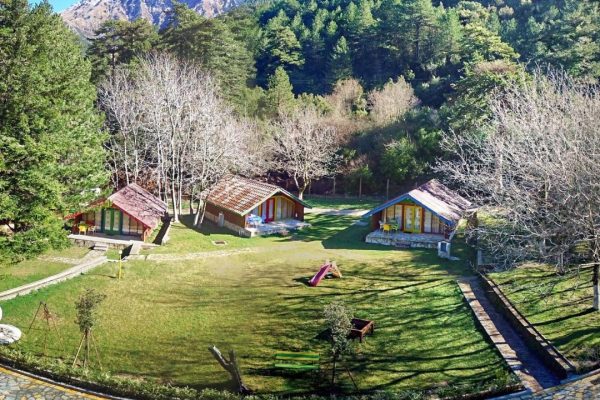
[420, 218]
[131, 211]
[250, 207]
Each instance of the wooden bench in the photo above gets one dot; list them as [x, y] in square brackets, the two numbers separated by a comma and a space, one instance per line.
[297, 361]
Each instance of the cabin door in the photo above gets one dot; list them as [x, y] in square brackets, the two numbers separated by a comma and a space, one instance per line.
[270, 210]
[112, 221]
[412, 219]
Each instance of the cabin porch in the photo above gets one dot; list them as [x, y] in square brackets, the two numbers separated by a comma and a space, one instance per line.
[273, 227]
[119, 242]
[405, 239]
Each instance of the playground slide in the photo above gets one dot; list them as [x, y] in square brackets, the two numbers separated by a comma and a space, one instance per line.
[315, 280]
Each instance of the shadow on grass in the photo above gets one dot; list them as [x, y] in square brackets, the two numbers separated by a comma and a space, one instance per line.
[207, 228]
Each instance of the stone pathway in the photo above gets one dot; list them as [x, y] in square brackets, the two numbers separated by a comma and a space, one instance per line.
[522, 361]
[16, 386]
[64, 260]
[192, 256]
[586, 387]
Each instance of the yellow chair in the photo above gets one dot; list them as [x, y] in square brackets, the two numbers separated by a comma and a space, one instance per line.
[82, 229]
[387, 228]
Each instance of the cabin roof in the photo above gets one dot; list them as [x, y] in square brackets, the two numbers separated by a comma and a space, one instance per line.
[435, 197]
[242, 195]
[140, 204]
[135, 201]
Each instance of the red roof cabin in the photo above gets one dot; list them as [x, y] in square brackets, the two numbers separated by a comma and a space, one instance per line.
[252, 208]
[420, 218]
[132, 212]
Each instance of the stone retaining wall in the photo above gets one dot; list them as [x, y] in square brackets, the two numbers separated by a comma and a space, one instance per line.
[51, 280]
[553, 359]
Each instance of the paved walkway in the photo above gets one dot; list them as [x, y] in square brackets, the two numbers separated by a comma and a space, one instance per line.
[15, 386]
[523, 362]
[586, 387]
[85, 265]
[191, 256]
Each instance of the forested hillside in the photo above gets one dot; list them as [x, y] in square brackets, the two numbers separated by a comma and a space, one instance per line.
[387, 77]
[343, 57]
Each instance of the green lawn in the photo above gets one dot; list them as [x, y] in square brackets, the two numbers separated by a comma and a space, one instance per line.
[560, 307]
[158, 321]
[365, 203]
[17, 274]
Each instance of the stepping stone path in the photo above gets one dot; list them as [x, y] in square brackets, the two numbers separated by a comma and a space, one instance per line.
[15, 386]
[533, 373]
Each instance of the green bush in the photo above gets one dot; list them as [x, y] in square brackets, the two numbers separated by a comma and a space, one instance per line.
[106, 383]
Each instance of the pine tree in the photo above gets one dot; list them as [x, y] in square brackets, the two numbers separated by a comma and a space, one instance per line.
[118, 42]
[51, 145]
[211, 43]
[341, 62]
[280, 96]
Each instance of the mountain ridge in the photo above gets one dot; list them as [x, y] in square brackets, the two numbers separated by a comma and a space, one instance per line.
[86, 16]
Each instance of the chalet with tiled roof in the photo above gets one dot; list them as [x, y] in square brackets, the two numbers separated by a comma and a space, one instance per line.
[131, 211]
[420, 218]
[250, 207]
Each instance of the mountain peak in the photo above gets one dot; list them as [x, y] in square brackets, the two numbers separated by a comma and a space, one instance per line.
[86, 16]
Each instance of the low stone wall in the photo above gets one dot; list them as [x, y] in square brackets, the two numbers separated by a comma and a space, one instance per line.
[553, 359]
[51, 280]
[118, 244]
[391, 241]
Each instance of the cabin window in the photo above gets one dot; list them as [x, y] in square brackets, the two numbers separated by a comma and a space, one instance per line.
[398, 214]
[435, 224]
[89, 217]
[427, 227]
[389, 214]
[126, 224]
[98, 218]
[285, 208]
[277, 208]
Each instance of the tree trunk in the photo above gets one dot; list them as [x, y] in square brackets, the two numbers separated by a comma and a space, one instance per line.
[360, 187]
[174, 200]
[333, 369]
[232, 367]
[595, 279]
[387, 189]
[199, 217]
[333, 190]
[192, 201]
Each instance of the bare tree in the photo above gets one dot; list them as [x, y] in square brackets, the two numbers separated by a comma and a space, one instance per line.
[347, 99]
[305, 147]
[392, 101]
[170, 122]
[537, 167]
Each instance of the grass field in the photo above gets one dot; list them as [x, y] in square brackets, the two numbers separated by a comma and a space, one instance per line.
[13, 275]
[559, 306]
[158, 321]
[366, 203]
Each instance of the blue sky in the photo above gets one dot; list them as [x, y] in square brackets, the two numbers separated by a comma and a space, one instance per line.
[58, 5]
